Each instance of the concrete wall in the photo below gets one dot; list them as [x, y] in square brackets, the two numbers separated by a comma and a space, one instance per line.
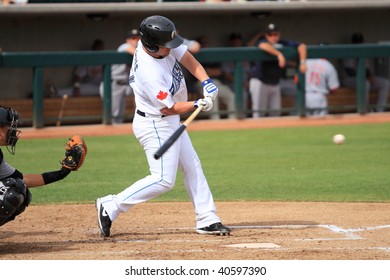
[63, 32]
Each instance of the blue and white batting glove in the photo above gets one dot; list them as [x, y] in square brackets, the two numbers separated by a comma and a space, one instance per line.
[209, 89]
[206, 102]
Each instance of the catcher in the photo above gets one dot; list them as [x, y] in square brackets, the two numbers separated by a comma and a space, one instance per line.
[14, 186]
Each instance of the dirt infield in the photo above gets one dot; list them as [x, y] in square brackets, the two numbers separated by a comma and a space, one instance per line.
[156, 231]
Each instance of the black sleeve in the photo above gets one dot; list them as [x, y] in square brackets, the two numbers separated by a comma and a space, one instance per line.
[54, 176]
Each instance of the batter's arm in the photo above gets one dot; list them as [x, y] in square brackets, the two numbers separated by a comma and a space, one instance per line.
[179, 108]
[193, 65]
[198, 71]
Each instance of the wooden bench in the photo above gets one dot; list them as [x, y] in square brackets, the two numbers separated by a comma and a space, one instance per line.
[76, 110]
[342, 101]
[89, 110]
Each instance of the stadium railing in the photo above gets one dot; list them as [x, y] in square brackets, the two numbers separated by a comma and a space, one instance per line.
[39, 60]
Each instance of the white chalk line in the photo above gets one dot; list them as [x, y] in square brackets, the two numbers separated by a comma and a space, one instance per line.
[369, 228]
[386, 249]
[348, 235]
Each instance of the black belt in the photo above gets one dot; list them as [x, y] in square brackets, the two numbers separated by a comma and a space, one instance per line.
[142, 114]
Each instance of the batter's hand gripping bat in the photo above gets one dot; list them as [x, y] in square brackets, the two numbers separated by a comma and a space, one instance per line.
[177, 133]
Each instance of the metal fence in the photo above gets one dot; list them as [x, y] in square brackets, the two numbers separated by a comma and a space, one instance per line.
[39, 60]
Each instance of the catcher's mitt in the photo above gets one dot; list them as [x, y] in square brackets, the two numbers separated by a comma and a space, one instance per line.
[75, 153]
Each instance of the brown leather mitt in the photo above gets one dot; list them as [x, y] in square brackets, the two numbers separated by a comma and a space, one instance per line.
[75, 153]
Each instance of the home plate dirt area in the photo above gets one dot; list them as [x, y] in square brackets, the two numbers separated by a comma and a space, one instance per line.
[165, 230]
[155, 231]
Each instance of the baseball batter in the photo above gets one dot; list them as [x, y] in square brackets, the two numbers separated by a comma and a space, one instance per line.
[321, 78]
[161, 96]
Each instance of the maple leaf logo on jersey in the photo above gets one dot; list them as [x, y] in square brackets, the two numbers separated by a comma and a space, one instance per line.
[162, 95]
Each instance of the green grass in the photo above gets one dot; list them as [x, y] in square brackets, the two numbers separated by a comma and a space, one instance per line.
[278, 164]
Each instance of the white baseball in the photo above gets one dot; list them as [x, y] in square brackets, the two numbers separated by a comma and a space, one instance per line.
[339, 139]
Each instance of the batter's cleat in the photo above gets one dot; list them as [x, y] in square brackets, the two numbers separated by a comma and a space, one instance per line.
[103, 219]
[215, 229]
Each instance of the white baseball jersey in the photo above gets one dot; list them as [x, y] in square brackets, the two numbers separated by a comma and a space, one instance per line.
[157, 87]
[159, 83]
[320, 76]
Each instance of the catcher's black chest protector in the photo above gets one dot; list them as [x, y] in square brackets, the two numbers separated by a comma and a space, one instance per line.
[14, 198]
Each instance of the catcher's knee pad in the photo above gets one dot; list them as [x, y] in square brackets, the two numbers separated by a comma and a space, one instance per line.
[14, 198]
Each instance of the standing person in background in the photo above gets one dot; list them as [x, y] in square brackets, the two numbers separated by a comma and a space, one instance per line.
[373, 82]
[264, 85]
[255, 39]
[161, 97]
[321, 79]
[288, 85]
[120, 87]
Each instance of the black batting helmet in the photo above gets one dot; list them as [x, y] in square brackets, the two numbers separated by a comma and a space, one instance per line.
[158, 31]
[10, 118]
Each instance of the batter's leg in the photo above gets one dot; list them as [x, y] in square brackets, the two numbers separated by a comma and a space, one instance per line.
[162, 172]
[196, 184]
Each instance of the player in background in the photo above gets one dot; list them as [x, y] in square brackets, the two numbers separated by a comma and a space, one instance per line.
[321, 79]
[161, 96]
[264, 85]
[373, 82]
[120, 79]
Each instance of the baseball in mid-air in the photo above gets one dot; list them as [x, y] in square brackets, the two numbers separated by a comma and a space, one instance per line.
[339, 139]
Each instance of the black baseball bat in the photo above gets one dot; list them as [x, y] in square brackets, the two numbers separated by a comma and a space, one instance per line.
[176, 134]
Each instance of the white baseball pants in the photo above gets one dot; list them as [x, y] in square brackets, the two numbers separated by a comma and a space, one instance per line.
[151, 133]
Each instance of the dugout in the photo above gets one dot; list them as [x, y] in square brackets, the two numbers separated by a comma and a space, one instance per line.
[73, 26]
[58, 27]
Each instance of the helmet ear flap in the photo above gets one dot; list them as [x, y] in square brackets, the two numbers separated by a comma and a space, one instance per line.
[149, 47]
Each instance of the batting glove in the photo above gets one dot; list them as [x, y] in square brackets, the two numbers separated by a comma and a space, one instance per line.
[209, 89]
[206, 102]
